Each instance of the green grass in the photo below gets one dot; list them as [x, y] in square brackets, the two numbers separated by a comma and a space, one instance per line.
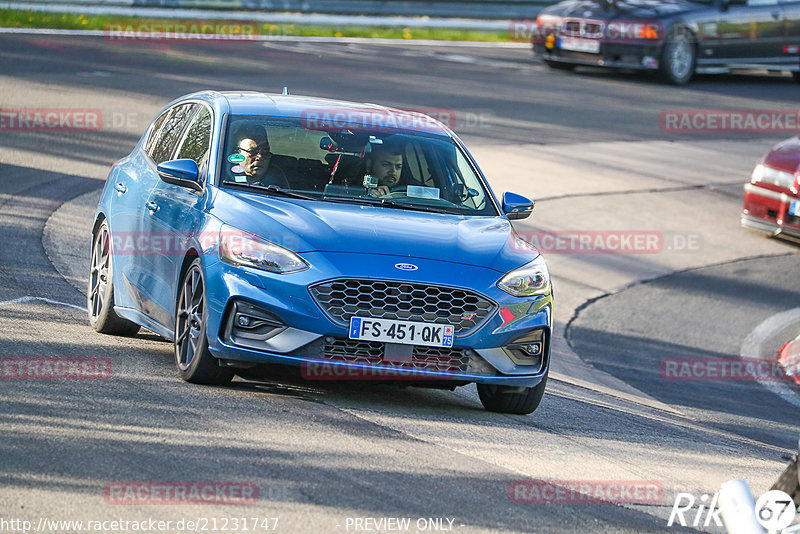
[20, 18]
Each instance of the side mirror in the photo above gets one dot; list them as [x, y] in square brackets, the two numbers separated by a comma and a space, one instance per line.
[181, 172]
[516, 206]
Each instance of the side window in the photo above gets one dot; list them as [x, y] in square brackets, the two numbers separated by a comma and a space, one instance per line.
[472, 195]
[170, 132]
[195, 143]
[754, 3]
[153, 135]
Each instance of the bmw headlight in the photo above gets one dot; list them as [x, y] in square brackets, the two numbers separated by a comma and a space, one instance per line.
[242, 248]
[762, 173]
[528, 280]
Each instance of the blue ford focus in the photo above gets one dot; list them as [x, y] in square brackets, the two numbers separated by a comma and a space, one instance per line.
[352, 240]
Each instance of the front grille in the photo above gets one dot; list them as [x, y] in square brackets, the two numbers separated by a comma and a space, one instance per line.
[440, 359]
[386, 299]
[580, 28]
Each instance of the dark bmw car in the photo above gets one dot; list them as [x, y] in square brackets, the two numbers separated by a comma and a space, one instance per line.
[676, 38]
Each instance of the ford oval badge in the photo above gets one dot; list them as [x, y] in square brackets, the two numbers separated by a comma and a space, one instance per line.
[406, 266]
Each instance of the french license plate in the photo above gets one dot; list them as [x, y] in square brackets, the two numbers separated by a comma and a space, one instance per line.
[588, 46]
[404, 332]
[794, 207]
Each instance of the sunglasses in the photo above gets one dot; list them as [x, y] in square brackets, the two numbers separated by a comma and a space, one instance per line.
[261, 149]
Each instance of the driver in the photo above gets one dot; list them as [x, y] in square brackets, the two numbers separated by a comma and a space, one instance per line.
[385, 162]
[253, 144]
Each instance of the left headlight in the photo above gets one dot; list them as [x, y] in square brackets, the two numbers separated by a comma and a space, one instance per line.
[238, 247]
[530, 279]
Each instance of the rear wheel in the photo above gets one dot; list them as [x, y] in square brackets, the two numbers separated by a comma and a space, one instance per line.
[192, 357]
[100, 294]
[507, 399]
[678, 58]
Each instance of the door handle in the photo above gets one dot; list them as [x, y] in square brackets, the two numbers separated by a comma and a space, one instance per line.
[120, 187]
[152, 207]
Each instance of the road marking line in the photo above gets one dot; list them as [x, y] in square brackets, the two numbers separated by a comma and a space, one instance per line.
[43, 299]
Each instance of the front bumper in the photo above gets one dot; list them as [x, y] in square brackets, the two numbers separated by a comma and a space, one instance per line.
[306, 336]
[644, 56]
[767, 210]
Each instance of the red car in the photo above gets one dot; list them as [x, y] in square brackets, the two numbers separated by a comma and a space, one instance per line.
[789, 358]
[771, 199]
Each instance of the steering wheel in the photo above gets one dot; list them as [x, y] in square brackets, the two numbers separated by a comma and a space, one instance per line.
[460, 193]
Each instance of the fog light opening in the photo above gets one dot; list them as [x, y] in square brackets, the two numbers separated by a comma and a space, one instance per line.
[527, 350]
[250, 326]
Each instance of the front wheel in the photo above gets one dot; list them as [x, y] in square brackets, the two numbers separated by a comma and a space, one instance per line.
[192, 357]
[678, 58]
[508, 399]
[100, 294]
[796, 76]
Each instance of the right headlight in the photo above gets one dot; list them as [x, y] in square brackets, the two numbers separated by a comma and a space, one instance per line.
[238, 247]
[528, 280]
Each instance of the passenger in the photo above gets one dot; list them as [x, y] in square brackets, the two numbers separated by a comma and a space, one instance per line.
[385, 162]
[253, 144]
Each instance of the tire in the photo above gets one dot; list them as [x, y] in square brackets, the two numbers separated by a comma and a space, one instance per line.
[678, 57]
[507, 399]
[796, 76]
[788, 481]
[193, 359]
[558, 65]
[100, 293]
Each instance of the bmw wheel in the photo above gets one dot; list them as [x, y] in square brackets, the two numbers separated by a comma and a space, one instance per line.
[100, 294]
[679, 57]
[192, 357]
[508, 399]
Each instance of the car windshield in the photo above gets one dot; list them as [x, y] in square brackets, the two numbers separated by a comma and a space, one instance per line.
[351, 163]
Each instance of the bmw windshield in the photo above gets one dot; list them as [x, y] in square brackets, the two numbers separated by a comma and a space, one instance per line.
[351, 163]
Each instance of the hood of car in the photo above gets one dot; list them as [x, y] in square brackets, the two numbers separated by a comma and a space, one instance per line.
[309, 226]
[627, 9]
[785, 156]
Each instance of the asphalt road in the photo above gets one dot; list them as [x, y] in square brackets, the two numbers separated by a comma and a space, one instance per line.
[588, 146]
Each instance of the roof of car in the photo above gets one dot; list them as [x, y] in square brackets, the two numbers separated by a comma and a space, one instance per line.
[338, 112]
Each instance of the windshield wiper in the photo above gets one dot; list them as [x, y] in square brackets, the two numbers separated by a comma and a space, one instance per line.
[272, 189]
[387, 203]
[277, 191]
